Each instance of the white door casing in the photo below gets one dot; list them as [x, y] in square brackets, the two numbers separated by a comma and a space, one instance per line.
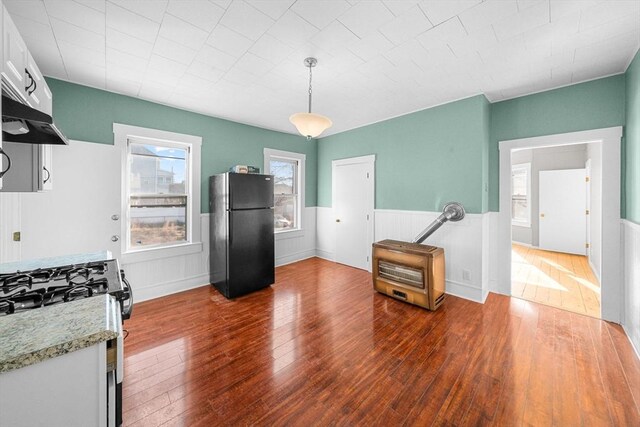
[611, 283]
[353, 204]
[562, 218]
[587, 168]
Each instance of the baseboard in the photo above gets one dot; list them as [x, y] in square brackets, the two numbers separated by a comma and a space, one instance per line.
[295, 257]
[635, 349]
[170, 287]
[526, 245]
[329, 256]
[466, 291]
[594, 271]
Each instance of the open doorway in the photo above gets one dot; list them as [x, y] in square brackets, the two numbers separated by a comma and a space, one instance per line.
[605, 253]
[554, 191]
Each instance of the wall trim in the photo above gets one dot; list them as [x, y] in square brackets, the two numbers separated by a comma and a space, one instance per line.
[635, 349]
[412, 212]
[465, 291]
[295, 257]
[326, 255]
[633, 225]
[169, 287]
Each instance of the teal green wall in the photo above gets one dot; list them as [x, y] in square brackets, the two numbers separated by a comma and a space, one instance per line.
[88, 114]
[423, 159]
[591, 105]
[632, 140]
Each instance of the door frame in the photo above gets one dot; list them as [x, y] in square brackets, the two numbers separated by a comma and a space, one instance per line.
[369, 159]
[611, 269]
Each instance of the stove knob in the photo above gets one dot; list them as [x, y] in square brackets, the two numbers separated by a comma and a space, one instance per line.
[114, 238]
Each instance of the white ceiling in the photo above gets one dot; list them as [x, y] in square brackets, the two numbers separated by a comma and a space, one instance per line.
[242, 60]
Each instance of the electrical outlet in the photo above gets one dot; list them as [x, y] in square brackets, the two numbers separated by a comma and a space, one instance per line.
[466, 275]
[16, 236]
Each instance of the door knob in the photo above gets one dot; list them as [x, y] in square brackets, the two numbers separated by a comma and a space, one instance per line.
[114, 238]
[337, 220]
[541, 215]
[115, 217]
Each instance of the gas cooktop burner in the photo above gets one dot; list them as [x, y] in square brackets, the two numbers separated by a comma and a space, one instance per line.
[25, 290]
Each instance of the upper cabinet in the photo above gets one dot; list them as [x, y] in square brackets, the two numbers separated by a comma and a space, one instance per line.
[14, 67]
[38, 94]
[20, 73]
[27, 162]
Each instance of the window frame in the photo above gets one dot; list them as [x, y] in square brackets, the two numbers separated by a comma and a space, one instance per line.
[269, 154]
[527, 168]
[123, 134]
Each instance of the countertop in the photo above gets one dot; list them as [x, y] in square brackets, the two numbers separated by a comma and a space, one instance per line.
[12, 267]
[33, 336]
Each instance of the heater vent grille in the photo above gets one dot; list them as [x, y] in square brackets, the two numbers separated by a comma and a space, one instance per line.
[402, 274]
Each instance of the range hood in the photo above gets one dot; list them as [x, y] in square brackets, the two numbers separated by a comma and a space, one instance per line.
[22, 123]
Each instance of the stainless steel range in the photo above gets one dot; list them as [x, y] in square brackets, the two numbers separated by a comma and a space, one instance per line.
[43, 287]
[26, 290]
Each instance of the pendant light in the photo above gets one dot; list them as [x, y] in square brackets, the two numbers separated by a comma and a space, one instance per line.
[310, 124]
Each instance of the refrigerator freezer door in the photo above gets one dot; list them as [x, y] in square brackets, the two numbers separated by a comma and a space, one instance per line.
[251, 251]
[219, 231]
[250, 191]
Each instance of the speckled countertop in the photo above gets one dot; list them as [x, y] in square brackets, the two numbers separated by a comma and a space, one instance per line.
[33, 336]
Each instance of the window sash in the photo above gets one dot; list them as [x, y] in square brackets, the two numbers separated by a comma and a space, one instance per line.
[181, 200]
[521, 172]
[294, 195]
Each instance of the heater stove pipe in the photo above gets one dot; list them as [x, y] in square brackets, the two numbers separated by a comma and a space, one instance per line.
[452, 211]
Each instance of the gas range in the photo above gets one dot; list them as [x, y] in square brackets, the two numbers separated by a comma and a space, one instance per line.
[26, 290]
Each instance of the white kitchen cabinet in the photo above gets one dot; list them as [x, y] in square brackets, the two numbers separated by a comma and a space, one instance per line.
[68, 390]
[15, 58]
[31, 168]
[38, 93]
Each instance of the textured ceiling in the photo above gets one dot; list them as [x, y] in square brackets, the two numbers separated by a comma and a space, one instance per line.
[242, 60]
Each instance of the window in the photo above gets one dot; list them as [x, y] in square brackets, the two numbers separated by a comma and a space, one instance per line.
[288, 188]
[160, 191]
[521, 195]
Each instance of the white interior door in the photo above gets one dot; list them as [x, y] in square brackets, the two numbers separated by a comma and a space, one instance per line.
[562, 201]
[353, 199]
[75, 216]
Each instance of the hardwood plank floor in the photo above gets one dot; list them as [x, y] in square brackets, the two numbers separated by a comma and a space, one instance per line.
[320, 347]
[557, 279]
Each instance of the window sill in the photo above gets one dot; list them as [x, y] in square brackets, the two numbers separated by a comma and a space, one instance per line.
[152, 254]
[521, 224]
[289, 234]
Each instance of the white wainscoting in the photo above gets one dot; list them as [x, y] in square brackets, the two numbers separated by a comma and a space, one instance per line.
[296, 246]
[10, 220]
[462, 241]
[631, 274]
[164, 276]
[167, 275]
[466, 243]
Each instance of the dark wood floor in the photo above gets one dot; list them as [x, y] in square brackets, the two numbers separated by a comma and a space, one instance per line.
[322, 348]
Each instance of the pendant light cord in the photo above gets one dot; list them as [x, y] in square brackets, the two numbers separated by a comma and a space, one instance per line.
[310, 75]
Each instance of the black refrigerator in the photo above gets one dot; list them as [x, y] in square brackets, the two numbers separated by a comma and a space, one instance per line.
[241, 227]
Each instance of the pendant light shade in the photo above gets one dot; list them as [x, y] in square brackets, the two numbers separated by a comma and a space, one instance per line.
[310, 124]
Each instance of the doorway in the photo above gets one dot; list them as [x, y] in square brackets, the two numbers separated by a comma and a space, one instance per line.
[353, 204]
[550, 232]
[559, 272]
